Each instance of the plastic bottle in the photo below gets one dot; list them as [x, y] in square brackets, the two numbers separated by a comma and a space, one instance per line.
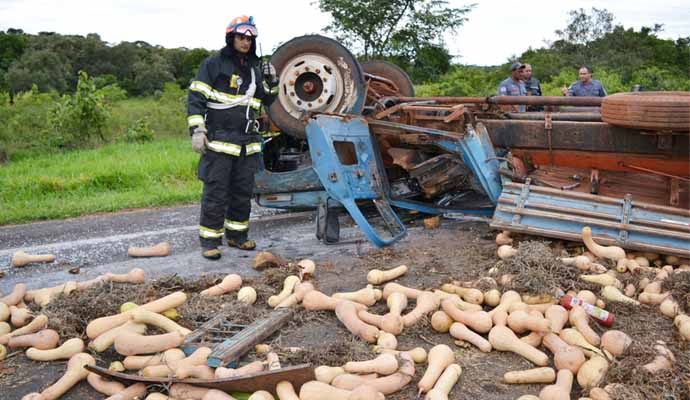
[598, 314]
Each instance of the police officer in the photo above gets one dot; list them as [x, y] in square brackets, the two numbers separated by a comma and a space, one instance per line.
[532, 86]
[514, 85]
[586, 86]
[224, 103]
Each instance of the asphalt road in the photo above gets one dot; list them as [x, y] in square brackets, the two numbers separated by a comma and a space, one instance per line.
[98, 244]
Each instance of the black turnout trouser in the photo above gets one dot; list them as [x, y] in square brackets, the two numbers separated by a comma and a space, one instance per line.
[226, 197]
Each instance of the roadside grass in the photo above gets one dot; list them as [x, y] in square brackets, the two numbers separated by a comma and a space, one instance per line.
[110, 178]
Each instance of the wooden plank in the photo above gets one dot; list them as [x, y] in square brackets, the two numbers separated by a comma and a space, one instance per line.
[265, 380]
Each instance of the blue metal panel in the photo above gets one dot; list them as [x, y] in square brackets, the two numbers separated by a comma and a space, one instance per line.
[362, 179]
[303, 179]
[296, 200]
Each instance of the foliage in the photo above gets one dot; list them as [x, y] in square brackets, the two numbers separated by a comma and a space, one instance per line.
[139, 132]
[584, 27]
[407, 31]
[79, 118]
[116, 176]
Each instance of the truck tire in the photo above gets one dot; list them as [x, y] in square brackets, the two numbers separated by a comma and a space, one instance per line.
[656, 111]
[316, 74]
[391, 72]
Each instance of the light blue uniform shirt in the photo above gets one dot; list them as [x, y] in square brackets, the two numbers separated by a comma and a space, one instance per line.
[511, 88]
[593, 88]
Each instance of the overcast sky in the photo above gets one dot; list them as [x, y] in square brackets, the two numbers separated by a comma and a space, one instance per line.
[495, 30]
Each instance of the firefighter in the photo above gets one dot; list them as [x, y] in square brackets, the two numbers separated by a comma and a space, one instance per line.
[224, 103]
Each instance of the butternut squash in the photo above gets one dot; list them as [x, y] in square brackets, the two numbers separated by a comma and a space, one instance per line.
[21, 259]
[612, 293]
[251, 368]
[261, 395]
[418, 354]
[107, 339]
[557, 316]
[470, 295]
[615, 342]
[614, 253]
[441, 322]
[534, 375]
[503, 339]
[316, 301]
[520, 321]
[264, 259]
[20, 316]
[459, 303]
[565, 356]
[607, 279]
[195, 371]
[580, 321]
[288, 286]
[5, 328]
[187, 392]
[492, 297]
[346, 311]
[664, 359]
[4, 312]
[507, 299]
[391, 383]
[16, 296]
[445, 383]
[315, 390]
[461, 332]
[214, 394]
[504, 238]
[385, 364]
[652, 298]
[500, 318]
[103, 324]
[297, 295]
[34, 326]
[426, 302]
[559, 390]
[129, 343]
[377, 276]
[325, 374]
[158, 396]
[45, 339]
[392, 322]
[367, 296]
[161, 249]
[533, 339]
[393, 287]
[74, 374]
[147, 317]
[478, 321]
[136, 275]
[104, 386]
[386, 341]
[669, 307]
[307, 268]
[505, 252]
[574, 338]
[170, 361]
[228, 284]
[440, 357]
[682, 323]
[247, 295]
[592, 372]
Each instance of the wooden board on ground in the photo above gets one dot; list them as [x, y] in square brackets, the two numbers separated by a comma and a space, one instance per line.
[265, 380]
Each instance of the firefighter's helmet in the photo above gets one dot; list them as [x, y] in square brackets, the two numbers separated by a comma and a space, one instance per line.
[242, 25]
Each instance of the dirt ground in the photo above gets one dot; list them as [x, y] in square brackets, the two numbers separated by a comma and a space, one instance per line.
[464, 253]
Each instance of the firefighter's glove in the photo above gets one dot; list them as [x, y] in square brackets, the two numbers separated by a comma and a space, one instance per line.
[199, 141]
[270, 74]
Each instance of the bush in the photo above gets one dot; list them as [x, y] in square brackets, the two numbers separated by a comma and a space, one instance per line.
[76, 120]
[139, 132]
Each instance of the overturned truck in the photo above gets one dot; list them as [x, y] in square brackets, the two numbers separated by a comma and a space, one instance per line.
[355, 137]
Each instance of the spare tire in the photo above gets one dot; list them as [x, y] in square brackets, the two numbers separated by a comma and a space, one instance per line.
[391, 72]
[316, 74]
[657, 111]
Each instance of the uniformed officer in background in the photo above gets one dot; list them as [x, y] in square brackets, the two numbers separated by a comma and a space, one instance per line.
[513, 86]
[532, 86]
[586, 86]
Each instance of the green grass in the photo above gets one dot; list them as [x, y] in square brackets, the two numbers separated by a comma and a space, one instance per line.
[110, 178]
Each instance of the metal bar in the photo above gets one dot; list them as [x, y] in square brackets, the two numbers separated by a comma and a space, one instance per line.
[602, 199]
[557, 116]
[641, 246]
[418, 129]
[595, 222]
[512, 100]
[651, 171]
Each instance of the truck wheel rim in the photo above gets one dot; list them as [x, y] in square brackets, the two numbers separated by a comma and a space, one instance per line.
[310, 83]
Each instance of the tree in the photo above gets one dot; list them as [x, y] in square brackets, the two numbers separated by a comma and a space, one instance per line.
[402, 29]
[585, 27]
[12, 46]
[150, 75]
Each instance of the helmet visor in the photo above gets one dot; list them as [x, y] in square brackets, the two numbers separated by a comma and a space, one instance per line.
[247, 30]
